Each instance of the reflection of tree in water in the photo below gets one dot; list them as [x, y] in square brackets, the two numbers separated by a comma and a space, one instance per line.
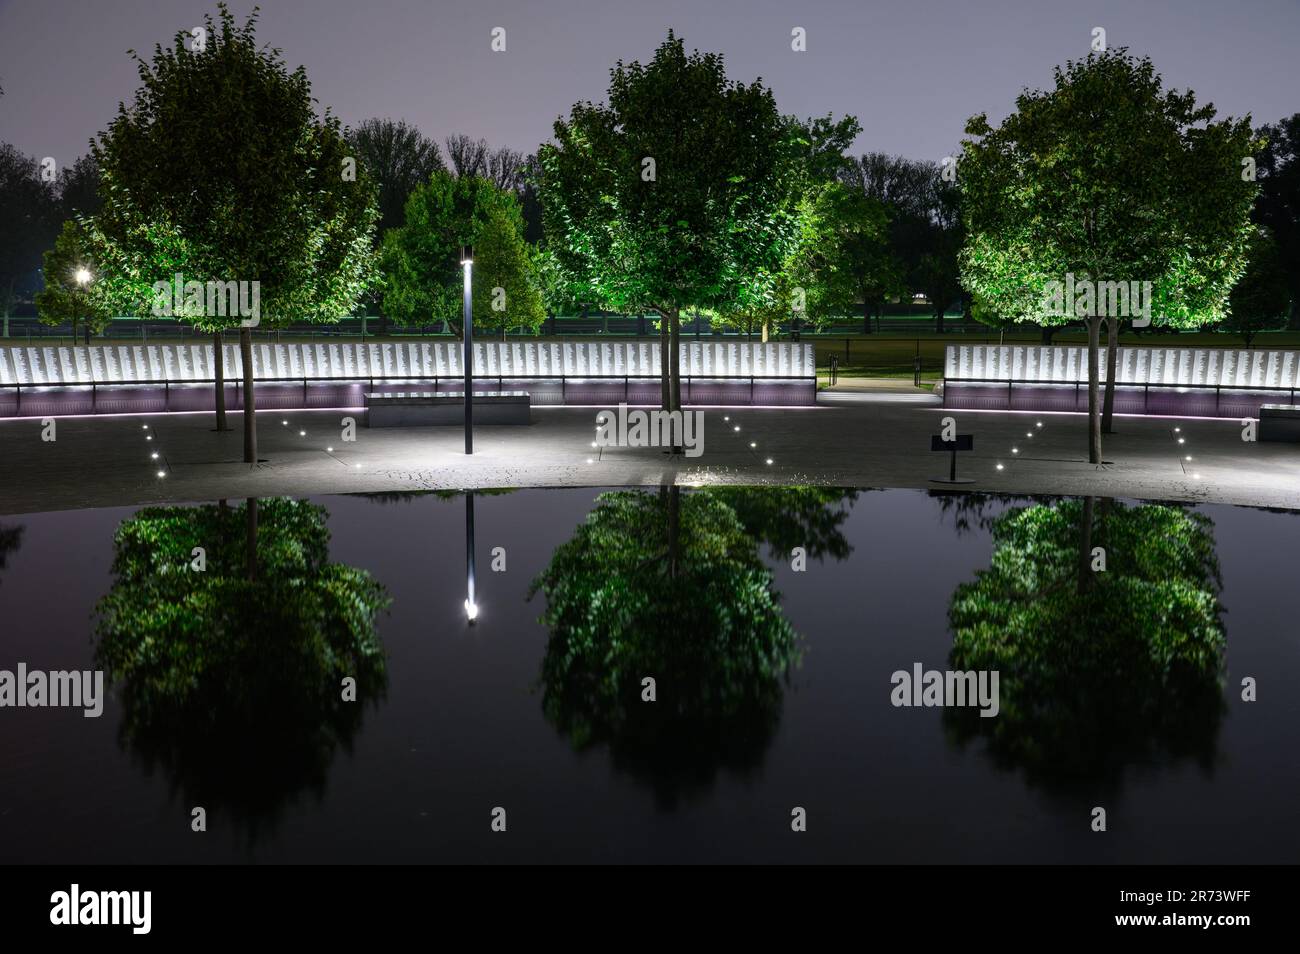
[11, 538]
[789, 517]
[1098, 670]
[977, 511]
[670, 585]
[232, 676]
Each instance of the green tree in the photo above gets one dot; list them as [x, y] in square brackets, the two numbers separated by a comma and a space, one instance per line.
[505, 293]
[421, 260]
[1261, 299]
[399, 158]
[221, 169]
[676, 194]
[232, 670]
[1098, 669]
[74, 290]
[1278, 205]
[1111, 178]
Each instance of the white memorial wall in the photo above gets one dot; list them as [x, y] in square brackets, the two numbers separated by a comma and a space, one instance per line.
[126, 364]
[1068, 364]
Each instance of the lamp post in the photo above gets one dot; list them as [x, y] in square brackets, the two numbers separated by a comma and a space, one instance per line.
[467, 263]
[471, 607]
[83, 277]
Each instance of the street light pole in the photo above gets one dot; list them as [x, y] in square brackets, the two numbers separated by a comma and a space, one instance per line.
[467, 262]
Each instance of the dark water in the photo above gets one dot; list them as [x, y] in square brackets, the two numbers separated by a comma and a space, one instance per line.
[545, 720]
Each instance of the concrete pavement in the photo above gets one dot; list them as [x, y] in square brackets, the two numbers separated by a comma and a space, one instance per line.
[106, 461]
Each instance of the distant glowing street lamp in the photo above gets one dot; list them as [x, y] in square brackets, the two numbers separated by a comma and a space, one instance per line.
[83, 275]
[467, 263]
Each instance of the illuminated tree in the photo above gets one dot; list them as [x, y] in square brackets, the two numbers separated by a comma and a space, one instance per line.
[1112, 178]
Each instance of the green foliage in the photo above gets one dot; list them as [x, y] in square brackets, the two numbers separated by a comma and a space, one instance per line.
[421, 260]
[667, 585]
[1261, 299]
[1110, 177]
[399, 158]
[1278, 205]
[220, 168]
[1096, 676]
[64, 300]
[714, 226]
[233, 681]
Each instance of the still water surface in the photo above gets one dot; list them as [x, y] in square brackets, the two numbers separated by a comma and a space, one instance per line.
[774, 686]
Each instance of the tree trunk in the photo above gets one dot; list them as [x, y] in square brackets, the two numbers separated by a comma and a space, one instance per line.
[250, 537]
[1094, 409]
[767, 330]
[250, 402]
[219, 371]
[938, 320]
[1085, 546]
[675, 356]
[665, 365]
[1112, 358]
[1046, 336]
[866, 314]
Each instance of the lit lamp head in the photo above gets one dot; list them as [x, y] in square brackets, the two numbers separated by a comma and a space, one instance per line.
[467, 254]
[471, 611]
[82, 275]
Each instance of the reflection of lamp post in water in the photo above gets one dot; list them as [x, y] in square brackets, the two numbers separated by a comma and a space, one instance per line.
[471, 608]
[467, 262]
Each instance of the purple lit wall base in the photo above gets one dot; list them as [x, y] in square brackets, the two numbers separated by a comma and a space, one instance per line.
[1153, 400]
[283, 396]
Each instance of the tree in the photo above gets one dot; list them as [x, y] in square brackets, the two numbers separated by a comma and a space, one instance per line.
[31, 224]
[421, 264]
[505, 293]
[1097, 669]
[1261, 299]
[504, 168]
[844, 252]
[220, 169]
[1278, 205]
[78, 188]
[74, 290]
[232, 671]
[1109, 178]
[675, 194]
[399, 158]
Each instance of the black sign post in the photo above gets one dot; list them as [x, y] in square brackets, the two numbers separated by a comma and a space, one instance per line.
[963, 442]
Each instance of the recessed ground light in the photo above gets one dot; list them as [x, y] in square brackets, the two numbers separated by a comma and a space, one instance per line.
[329, 450]
[1177, 429]
[769, 460]
[999, 466]
[753, 444]
[144, 427]
[590, 461]
[302, 433]
[736, 428]
[162, 473]
[1196, 476]
[1029, 433]
[1182, 440]
[593, 443]
[285, 423]
[1039, 424]
[154, 456]
[1188, 457]
[726, 417]
[1015, 450]
[149, 437]
[357, 466]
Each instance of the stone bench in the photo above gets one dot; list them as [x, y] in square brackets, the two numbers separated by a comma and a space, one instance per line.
[431, 408]
[1279, 422]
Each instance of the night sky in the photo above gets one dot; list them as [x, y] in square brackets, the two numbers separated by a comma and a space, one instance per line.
[912, 71]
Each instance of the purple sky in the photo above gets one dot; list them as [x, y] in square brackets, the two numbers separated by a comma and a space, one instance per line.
[911, 70]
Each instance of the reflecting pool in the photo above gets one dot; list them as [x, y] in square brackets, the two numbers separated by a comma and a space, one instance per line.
[658, 674]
